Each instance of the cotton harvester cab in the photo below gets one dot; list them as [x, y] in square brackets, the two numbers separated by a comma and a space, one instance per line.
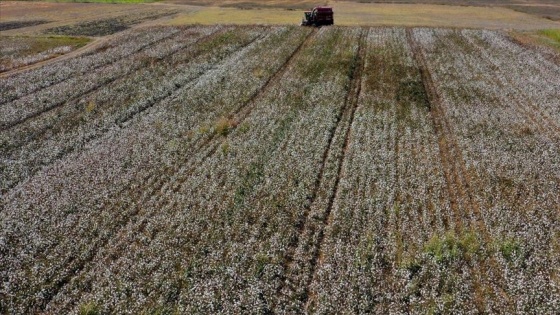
[318, 16]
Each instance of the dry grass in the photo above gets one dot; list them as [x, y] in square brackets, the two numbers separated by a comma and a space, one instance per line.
[214, 15]
[351, 13]
[549, 38]
[437, 15]
[210, 12]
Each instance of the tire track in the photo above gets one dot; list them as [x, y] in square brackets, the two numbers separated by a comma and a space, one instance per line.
[456, 173]
[448, 149]
[136, 193]
[182, 168]
[305, 225]
[351, 104]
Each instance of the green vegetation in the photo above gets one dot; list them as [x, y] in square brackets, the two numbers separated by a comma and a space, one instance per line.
[552, 34]
[224, 126]
[510, 249]
[89, 308]
[451, 247]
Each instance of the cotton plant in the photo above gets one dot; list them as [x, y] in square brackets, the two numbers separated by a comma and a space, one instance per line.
[131, 159]
[248, 169]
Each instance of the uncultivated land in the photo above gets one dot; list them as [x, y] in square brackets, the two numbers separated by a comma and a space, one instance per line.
[250, 169]
[348, 13]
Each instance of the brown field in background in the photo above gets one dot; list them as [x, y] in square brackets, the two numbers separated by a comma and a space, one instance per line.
[377, 14]
[61, 14]
[273, 12]
[549, 9]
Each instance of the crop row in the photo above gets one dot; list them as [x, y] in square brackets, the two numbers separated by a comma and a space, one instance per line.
[141, 154]
[121, 46]
[499, 98]
[283, 170]
[41, 140]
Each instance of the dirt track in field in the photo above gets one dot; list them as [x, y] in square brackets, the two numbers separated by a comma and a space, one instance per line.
[459, 183]
[350, 105]
[91, 46]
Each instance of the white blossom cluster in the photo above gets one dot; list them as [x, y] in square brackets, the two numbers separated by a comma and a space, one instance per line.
[503, 101]
[91, 193]
[227, 170]
[37, 142]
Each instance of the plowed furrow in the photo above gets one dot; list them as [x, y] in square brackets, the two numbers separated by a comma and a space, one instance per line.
[447, 147]
[288, 281]
[351, 104]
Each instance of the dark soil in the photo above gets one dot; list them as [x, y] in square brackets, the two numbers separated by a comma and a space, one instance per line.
[4, 26]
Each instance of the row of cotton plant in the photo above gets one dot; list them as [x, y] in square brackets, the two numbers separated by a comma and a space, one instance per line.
[76, 86]
[392, 199]
[89, 195]
[215, 233]
[20, 61]
[532, 80]
[126, 162]
[499, 99]
[119, 48]
[38, 142]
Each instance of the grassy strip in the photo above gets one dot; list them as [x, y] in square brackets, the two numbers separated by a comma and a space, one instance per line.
[553, 35]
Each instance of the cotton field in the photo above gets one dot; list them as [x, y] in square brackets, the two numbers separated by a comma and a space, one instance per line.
[283, 170]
